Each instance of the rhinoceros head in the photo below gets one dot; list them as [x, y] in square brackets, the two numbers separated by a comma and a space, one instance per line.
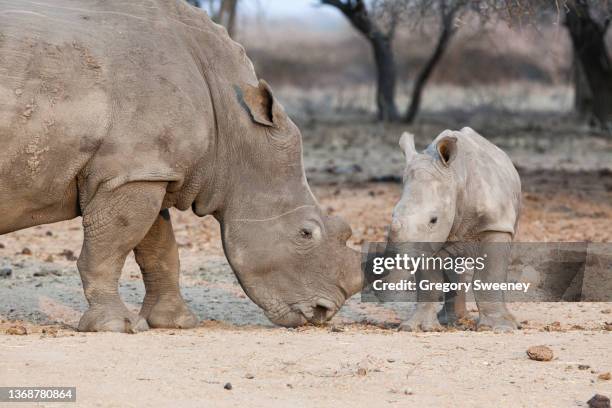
[426, 209]
[290, 258]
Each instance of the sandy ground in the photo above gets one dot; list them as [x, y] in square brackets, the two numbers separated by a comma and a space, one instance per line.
[358, 359]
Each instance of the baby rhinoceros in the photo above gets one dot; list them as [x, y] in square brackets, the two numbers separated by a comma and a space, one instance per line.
[462, 195]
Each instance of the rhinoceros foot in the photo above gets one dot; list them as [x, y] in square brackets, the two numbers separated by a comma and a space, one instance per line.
[171, 314]
[424, 319]
[111, 318]
[499, 323]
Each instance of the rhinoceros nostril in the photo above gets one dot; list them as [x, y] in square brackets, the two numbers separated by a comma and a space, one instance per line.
[323, 310]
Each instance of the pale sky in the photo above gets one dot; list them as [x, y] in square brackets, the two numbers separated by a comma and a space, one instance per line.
[292, 9]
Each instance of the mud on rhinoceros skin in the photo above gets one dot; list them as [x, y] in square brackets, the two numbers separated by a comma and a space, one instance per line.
[462, 193]
[117, 111]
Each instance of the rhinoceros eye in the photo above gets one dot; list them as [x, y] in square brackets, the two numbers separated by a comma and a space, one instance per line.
[433, 220]
[306, 233]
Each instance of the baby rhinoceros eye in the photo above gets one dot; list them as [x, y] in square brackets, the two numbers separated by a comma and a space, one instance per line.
[306, 233]
[433, 220]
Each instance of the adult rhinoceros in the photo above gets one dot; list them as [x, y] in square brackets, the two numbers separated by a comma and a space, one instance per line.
[117, 111]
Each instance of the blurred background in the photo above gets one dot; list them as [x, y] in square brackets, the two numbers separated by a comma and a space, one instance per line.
[535, 77]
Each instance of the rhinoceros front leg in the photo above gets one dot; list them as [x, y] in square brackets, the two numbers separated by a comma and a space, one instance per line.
[114, 223]
[425, 317]
[158, 258]
[493, 313]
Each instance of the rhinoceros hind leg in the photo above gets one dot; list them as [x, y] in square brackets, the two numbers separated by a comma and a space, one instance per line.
[453, 309]
[158, 258]
[114, 222]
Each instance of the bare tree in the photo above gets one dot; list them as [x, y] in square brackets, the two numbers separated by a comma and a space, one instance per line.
[226, 15]
[221, 11]
[447, 10]
[587, 32]
[381, 41]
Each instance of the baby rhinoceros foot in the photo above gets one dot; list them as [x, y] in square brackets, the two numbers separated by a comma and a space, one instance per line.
[111, 318]
[426, 321]
[170, 314]
[499, 323]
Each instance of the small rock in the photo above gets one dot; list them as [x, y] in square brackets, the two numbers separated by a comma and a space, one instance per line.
[540, 353]
[50, 331]
[390, 360]
[17, 330]
[2, 246]
[583, 366]
[608, 326]
[68, 254]
[40, 273]
[26, 251]
[604, 376]
[5, 272]
[228, 386]
[605, 311]
[336, 329]
[362, 372]
[49, 233]
[249, 376]
[49, 259]
[599, 401]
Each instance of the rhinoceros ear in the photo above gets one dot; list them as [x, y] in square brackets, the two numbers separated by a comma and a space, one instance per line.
[447, 149]
[259, 103]
[406, 142]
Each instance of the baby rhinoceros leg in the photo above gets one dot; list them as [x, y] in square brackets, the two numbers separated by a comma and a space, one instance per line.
[114, 222]
[493, 313]
[158, 258]
[425, 317]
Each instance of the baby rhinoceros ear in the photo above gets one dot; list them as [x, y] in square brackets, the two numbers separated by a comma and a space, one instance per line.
[259, 102]
[447, 149]
[406, 143]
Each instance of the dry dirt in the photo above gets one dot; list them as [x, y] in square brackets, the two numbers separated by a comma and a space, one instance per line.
[359, 359]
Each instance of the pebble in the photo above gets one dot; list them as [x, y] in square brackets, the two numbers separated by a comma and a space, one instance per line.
[5, 272]
[605, 376]
[17, 330]
[26, 251]
[599, 401]
[249, 376]
[228, 386]
[540, 353]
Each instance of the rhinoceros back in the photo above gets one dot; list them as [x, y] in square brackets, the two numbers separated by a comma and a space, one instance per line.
[490, 192]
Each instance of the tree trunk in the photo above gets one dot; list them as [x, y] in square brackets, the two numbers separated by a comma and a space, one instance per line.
[227, 15]
[419, 84]
[385, 79]
[356, 12]
[588, 41]
[583, 97]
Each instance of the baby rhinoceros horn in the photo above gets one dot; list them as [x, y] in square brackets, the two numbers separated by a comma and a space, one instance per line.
[406, 142]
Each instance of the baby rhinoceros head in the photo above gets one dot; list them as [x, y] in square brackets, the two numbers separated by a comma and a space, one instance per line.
[426, 209]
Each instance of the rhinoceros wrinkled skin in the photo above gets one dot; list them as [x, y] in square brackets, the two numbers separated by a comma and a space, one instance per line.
[464, 194]
[117, 111]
